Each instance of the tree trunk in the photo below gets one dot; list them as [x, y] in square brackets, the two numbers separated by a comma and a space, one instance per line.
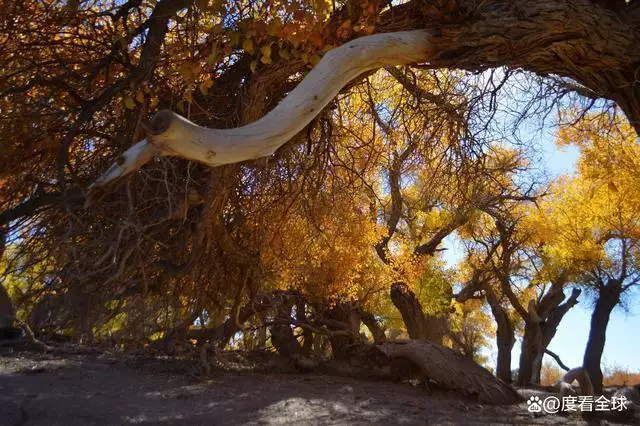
[539, 330]
[262, 331]
[550, 326]
[453, 371]
[579, 39]
[528, 352]
[505, 336]
[419, 325]
[343, 316]
[7, 311]
[282, 336]
[608, 298]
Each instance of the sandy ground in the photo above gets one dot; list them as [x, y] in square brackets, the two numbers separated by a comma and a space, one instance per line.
[103, 390]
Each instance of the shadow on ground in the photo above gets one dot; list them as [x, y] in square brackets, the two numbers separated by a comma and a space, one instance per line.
[37, 390]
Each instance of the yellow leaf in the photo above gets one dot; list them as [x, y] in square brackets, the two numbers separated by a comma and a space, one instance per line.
[266, 51]
[186, 71]
[205, 86]
[247, 45]
[140, 97]
[253, 65]
[265, 59]
[129, 103]
[284, 54]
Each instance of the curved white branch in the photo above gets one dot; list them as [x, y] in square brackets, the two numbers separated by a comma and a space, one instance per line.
[131, 160]
[175, 135]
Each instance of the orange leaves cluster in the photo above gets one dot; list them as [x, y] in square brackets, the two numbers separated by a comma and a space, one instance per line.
[328, 254]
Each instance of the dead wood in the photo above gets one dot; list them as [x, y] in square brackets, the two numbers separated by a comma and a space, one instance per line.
[452, 370]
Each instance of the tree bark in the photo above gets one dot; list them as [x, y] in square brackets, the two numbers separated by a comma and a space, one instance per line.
[531, 343]
[301, 316]
[578, 39]
[375, 327]
[550, 327]
[453, 371]
[608, 298]
[505, 336]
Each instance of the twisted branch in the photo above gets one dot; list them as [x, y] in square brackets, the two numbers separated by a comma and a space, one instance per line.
[172, 134]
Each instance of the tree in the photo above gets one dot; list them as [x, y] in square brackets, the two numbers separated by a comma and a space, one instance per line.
[512, 267]
[599, 209]
[481, 286]
[206, 238]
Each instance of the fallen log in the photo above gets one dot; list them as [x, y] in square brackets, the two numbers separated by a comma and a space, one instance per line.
[453, 371]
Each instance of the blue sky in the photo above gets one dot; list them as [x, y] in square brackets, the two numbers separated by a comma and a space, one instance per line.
[622, 346]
